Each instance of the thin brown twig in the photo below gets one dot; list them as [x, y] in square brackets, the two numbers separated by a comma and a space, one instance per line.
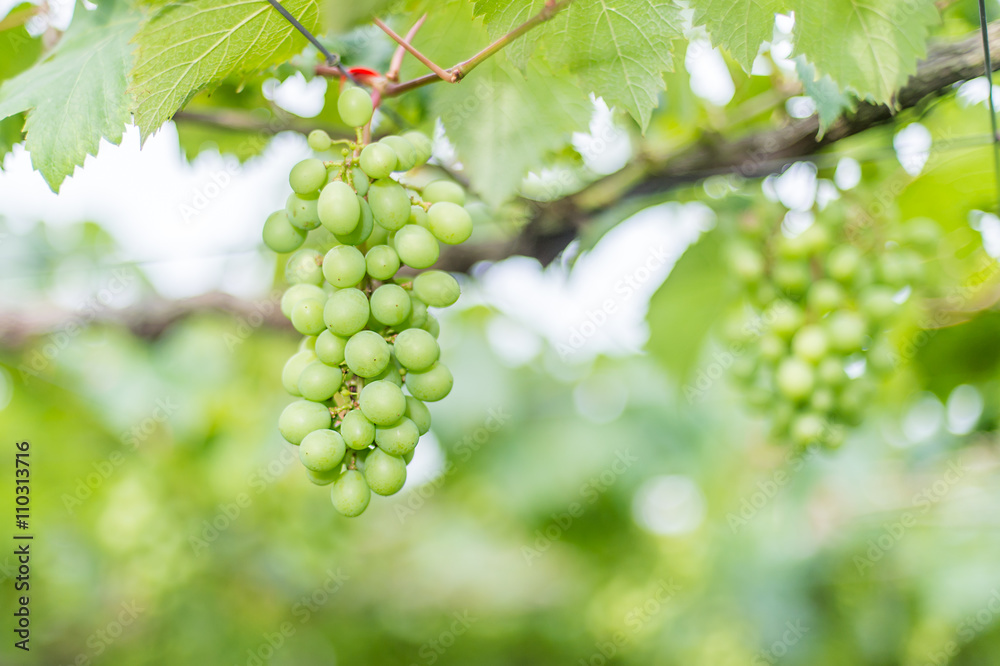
[397, 58]
[445, 76]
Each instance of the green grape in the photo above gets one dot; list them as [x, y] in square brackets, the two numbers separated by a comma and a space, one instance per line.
[355, 107]
[418, 312]
[810, 343]
[377, 160]
[892, 269]
[877, 301]
[382, 403]
[280, 235]
[298, 293]
[408, 456]
[912, 264]
[807, 428]
[450, 223]
[406, 154]
[293, 370]
[846, 331]
[390, 304]
[436, 288]
[431, 385]
[791, 276]
[882, 355]
[418, 216]
[303, 267]
[746, 262]
[319, 141]
[390, 374]
[344, 266]
[795, 379]
[364, 229]
[816, 239]
[421, 145]
[771, 347]
[431, 325]
[924, 233]
[350, 493]
[853, 400]
[302, 211]
[786, 318]
[359, 459]
[357, 431]
[367, 354]
[390, 204]
[346, 312]
[308, 343]
[323, 478]
[417, 412]
[382, 262]
[322, 451]
[301, 418]
[792, 247]
[307, 177]
[380, 236]
[823, 400]
[398, 437]
[330, 348]
[385, 473]
[307, 317]
[338, 208]
[360, 181]
[825, 296]
[743, 368]
[843, 262]
[319, 381]
[416, 247]
[416, 349]
[444, 190]
[831, 371]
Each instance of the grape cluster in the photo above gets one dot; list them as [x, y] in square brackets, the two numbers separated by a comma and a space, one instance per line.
[368, 332]
[815, 326]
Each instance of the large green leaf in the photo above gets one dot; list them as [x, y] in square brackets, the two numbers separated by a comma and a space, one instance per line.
[77, 95]
[739, 26]
[186, 47]
[868, 46]
[502, 15]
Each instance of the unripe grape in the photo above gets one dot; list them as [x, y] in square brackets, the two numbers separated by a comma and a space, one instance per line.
[319, 381]
[408, 456]
[330, 348]
[360, 181]
[390, 374]
[791, 276]
[810, 343]
[825, 296]
[795, 379]
[350, 493]
[843, 262]
[853, 400]
[382, 403]
[418, 216]
[390, 304]
[303, 267]
[364, 229]
[444, 190]
[823, 400]
[390, 204]
[385, 473]
[431, 325]
[882, 355]
[450, 223]
[308, 343]
[418, 313]
[416, 349]
[367, 354]
[877, 301]
[358, 432]
[416, 247]
[307, 317]
[912, 265]
[398, 437]
[406, 155]
[377, 160]
[846, 331]
[816, 239]
[771, 347]
[302, 211]
[892, 269]
[746, 262]
[298, 293]
[323, 478]
[319, 141]
[344, 266]
[923, 232]
[338, 208]
[831, 371]
[346, 312]
[417, 412]
[307, 177]
[301, 418]
[355, 107]
[786, 318]
[382, 262]
[792, 247]
[431, 385]
[436, 288]
[380, 236]
[807, 428]
[280, 235]
[743, 368]
[322, 451]
[293, 370]
[421, 145]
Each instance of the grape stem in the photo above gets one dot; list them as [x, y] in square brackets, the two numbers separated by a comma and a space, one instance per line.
[397, 58]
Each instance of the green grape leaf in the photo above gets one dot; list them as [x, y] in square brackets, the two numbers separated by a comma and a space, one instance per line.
[869, 47]
[186, 47]
[831, 103]
[692, 298]
[500, 16]
[18, 51]
[739, 26]
[76, 95]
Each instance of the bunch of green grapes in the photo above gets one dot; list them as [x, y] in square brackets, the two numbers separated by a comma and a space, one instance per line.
[368, 332]
[814, 332]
